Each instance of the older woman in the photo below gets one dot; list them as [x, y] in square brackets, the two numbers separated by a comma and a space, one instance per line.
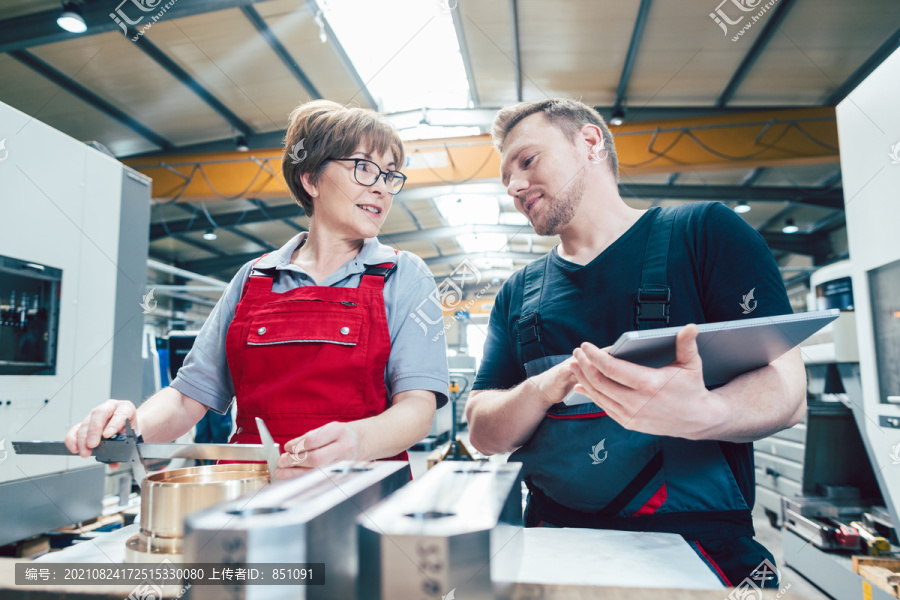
[316, 337]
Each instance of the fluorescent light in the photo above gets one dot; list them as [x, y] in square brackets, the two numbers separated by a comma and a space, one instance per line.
[618, 117]
[210, 235]
[482, 242]
[789, 227]
[70, 19]
[416, 62]
[468, 209]
[742, 207]
[428, 132]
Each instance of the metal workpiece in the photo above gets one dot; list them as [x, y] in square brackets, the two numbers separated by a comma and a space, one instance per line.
[168, 496]
[309, 519]
[456, 528]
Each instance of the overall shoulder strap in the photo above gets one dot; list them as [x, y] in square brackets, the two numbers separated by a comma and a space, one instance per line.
[253, 273]
[651, 309]
[530, 321]
[378, 275]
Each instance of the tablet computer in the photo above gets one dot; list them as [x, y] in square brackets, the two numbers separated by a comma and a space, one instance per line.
[728, 349]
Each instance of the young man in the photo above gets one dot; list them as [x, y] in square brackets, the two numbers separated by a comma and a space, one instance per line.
[655, 450]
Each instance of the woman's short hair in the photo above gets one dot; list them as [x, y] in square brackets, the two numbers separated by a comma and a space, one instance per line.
[323, 129]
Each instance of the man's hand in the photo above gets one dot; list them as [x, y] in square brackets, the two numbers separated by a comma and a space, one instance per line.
[671, 400]
[326, 445]
[555, 383]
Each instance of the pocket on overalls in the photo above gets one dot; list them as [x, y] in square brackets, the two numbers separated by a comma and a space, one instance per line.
[581, 458]
[302, 357]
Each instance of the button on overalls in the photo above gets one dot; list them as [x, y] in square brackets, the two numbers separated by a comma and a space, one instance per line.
[309, 356]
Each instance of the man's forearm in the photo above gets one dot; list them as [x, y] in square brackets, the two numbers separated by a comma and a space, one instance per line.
[762, 402]
[502, 420]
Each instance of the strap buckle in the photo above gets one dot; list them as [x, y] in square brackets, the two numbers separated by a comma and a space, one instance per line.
[528, 329]
[381, 270]
[653, 305]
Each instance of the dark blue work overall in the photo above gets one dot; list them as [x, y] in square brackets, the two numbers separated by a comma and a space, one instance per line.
[583, 469]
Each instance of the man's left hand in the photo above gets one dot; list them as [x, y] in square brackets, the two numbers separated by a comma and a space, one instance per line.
[326, 445]
[671, 400]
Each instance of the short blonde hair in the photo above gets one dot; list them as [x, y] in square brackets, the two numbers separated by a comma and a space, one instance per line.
[323, 129]
[569, 116]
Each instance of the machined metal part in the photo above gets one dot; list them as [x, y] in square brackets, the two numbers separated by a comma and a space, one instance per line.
[310, 519]
[454, 529]
[168, 496]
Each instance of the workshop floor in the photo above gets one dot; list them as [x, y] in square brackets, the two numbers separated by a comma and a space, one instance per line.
[800, 589]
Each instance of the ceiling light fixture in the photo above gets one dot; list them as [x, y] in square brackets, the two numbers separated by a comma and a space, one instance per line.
[210, 235]
[618, 117]
[789, 227]
[71, 19]
[241, 145]
[742, 207]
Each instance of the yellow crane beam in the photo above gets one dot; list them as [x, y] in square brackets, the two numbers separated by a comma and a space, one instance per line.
[738, 140]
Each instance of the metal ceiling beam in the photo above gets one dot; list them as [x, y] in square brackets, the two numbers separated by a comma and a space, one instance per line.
[886, 49]
[636, 35]
[438, 233]
[361, 88]
[252, 238]
[464, 52]
[76, 89]
[833, 199]
[163, 60]
[753, 176]
[759, 45]
[39, 28]
[274, 139]
[202, 246]
[263, 28]
[517, 51]
[452, 259]
[222, 263]
[229, 219]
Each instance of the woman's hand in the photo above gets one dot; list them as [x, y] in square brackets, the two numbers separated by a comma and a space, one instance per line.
[105, 420]
[320, 447]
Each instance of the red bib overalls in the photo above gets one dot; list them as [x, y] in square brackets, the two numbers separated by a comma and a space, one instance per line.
[309, 356]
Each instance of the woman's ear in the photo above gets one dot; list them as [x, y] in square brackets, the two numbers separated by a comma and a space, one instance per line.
[308, 186]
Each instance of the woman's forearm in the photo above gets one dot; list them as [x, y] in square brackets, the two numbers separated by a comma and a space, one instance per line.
[167, 415]
[404, 424]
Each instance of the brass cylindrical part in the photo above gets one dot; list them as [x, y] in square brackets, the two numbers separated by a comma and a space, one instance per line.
[168, 496]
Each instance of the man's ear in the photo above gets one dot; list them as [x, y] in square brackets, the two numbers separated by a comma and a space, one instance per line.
[590, 136]
[308, 186]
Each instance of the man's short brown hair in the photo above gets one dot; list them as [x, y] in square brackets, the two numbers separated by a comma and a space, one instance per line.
[323, 129]
[569, 116]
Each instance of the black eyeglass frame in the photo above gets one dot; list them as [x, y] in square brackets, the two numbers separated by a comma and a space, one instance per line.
[381, 173]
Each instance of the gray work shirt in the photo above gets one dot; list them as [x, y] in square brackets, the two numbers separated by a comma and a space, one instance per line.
[418, 359]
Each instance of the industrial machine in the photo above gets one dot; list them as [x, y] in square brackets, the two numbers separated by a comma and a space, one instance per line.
[855, 460]
[73, 262]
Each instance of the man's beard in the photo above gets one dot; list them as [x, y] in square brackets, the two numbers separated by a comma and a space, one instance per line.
[561, 207]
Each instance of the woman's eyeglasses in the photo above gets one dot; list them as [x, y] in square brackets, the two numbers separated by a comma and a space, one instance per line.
[366, 172]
